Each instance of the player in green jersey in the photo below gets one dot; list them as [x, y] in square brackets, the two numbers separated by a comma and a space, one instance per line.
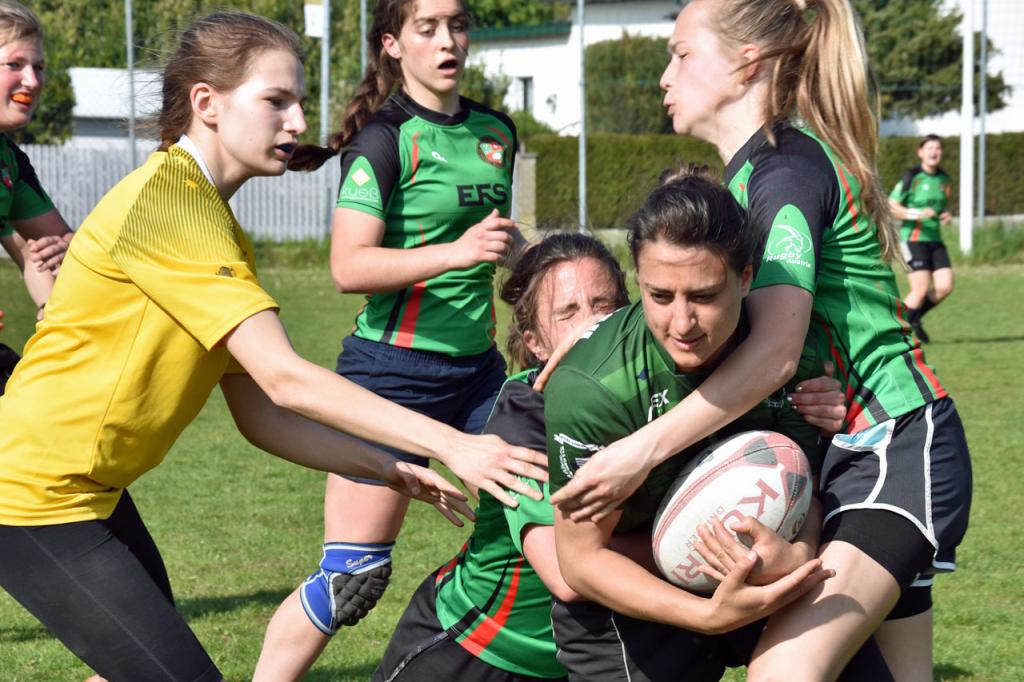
[487, 612]
[32, 231]
[896, 488]
[420, 225]
[919, 199]
[693, 257]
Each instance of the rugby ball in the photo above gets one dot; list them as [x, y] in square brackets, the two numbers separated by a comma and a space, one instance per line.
[757, 473]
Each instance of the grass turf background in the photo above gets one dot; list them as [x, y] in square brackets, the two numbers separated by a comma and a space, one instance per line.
[239, 528]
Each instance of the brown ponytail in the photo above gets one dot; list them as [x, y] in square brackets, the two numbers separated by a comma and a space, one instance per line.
[382, 74]
[815, 50]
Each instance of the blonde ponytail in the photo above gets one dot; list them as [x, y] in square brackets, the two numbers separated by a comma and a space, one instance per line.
[819, 73]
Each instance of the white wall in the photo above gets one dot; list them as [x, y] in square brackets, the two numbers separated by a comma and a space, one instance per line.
[553, 62]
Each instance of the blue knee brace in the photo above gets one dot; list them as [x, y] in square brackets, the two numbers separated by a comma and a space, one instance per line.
[351, 578]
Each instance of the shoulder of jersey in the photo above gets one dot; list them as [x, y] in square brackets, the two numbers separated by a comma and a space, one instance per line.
[500, 115]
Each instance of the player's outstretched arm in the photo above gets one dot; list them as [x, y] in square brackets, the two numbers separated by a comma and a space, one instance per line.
[261, 346]
[360, 264]
[764, 361]
[297, 439]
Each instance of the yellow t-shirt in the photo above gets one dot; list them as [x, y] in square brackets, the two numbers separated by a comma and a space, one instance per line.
[128, 354]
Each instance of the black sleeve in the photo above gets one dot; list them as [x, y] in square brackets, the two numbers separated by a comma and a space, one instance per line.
[795, 176]
[377, 142]
[518, 416]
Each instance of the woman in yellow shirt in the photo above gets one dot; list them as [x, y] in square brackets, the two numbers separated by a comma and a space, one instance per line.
[158, 302]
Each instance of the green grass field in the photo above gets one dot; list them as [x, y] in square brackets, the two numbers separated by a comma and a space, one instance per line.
[239, 528]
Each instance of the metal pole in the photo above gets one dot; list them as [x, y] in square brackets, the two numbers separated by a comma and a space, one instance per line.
[982, 112]
[362, 38]
[583, 125]
[130, 47]
[967, 131]
[325, 113]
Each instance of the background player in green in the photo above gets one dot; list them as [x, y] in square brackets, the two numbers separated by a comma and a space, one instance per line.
[32, 231]
[739, 71]
[419, 227]
[920, 199]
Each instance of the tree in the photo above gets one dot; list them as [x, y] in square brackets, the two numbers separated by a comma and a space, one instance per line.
[915, 49]
[622, 85]
[517, 12]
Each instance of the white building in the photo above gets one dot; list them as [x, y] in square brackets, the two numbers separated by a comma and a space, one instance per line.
[544, 66]
[543, 62]
[103, 103]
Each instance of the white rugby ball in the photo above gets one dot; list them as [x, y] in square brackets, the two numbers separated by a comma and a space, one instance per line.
[757, 473]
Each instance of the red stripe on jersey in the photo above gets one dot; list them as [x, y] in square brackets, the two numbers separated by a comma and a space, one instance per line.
[444, 570]
[927, 373]
[415, 157]
[482, 635]
[407, 329]
[849, 196]
[501, 135]
[917, 231]
[856, 418]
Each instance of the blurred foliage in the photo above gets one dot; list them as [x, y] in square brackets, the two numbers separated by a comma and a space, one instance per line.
[492, 13]
[622, 85]
[916, 51]
[622, 169]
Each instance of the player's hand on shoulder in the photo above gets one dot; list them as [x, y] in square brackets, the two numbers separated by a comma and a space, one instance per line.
[487, 462]
[489, 241]
[569, 340]
[428, 486]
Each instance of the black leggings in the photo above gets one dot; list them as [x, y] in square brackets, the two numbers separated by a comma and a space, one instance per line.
[102, 589]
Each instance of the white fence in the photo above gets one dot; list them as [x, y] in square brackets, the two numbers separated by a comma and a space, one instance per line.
[288, 208]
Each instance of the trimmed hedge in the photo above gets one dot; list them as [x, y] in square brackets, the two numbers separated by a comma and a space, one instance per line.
[622, 169]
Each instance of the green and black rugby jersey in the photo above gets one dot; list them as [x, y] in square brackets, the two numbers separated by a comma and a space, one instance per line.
[21, 195]
[918, 189]
[817, 237]
[489, 598]
[616, 379]
[430, 177]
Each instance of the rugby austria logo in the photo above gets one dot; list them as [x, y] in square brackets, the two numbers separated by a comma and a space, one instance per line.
[787, 243]
[491, 151]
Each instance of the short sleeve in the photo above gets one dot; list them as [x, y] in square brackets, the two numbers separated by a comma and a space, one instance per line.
[30, 199]
[189, 261]
[898, 193]
[791, 205]
[371, 166]
[582, 417]
[529, 512]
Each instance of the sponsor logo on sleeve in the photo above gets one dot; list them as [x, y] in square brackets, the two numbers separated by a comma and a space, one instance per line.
[569, 467]
[360, 185]
[789, 240]
[225, 271]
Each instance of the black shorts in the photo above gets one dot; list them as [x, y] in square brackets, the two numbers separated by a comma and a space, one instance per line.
[916, 466]
[598, 645]
[420, 649]
[928, 256]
